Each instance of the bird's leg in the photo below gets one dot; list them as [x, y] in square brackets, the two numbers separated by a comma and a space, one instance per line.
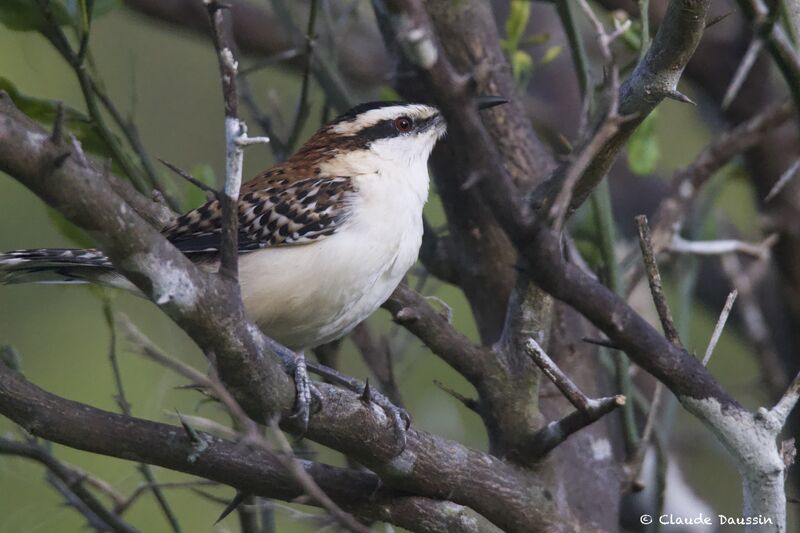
[305, 392]
[400, 418]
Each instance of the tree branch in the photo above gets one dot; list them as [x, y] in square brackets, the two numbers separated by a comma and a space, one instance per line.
[205, 309]
[253, 470]
[72, 480]
[655, 77]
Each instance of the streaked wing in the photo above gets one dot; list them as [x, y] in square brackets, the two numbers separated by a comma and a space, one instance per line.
[278, 213]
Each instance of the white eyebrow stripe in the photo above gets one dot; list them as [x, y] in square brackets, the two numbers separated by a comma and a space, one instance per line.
[374, 116]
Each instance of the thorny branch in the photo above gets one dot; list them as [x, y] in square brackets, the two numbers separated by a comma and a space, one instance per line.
[655, 77]
[235, 141]
[589, 410]
[203, 308]
[125, 408]
[72, 480]
[251, 435]
[253, 472]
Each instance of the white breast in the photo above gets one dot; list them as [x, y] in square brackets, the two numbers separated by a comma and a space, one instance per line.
[307, 295]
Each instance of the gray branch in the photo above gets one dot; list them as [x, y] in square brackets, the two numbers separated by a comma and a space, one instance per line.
[429, 466]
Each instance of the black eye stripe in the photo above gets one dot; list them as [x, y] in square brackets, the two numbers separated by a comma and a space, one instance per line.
[386, 129]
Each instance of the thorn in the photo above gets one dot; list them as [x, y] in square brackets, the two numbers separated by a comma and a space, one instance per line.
[190, 431]
[601, 342]
[680, 97]
[60, 158]
[232, 505]
[58, 126]
[719, 18]
[469, 403]
[366, 396]
[199, 444]
[191, 179]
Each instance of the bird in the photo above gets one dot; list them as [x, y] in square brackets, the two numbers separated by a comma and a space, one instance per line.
[324, 237]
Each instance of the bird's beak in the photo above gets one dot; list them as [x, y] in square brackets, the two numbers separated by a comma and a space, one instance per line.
[485, 102]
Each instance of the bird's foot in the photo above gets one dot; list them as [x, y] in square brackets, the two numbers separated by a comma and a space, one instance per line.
[306, 393]
[400, 418]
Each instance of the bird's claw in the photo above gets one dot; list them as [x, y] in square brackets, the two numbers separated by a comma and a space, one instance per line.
[400, 418]
[306, 393]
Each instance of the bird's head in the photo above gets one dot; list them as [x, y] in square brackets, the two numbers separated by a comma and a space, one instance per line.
[394, 131]
[379, 133]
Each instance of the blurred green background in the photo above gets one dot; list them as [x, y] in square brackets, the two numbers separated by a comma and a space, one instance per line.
[168, 82]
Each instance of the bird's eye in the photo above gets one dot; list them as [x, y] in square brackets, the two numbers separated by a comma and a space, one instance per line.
[403, 124]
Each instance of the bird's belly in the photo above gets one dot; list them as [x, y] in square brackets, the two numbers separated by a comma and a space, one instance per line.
[307, 295]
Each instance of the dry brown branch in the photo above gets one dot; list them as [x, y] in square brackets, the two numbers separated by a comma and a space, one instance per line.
[654, 279]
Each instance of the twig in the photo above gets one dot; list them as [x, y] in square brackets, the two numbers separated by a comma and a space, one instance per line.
[566, 12]
[142, 488]
[469, 403]
[723, 246]
[125, 408]
[91, 91]
[788, 401]
[588, 410]
[779, 45]
[723, 317]
[263, 120]
[71, 479]
[606, 232]
[602, 135]
[72, 500]
[278, 57]
[584, 404]
[191, 179]
[601, 342]
[785, 178]
[654, 278]
[749, 59]
[235, 140]
[301, 113]
[556, 432]
[312, 489]
[563, 200]
[634, 465]
[755, 324]
[250, 432]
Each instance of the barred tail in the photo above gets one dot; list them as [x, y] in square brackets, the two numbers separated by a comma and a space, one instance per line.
[60, 266]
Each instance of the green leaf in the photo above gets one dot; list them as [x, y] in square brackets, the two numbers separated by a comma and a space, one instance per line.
[44, 111]
[536, 39]
[551, 53]
[25, 15]
[644, 151]
[521, 66]
[516, 23]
